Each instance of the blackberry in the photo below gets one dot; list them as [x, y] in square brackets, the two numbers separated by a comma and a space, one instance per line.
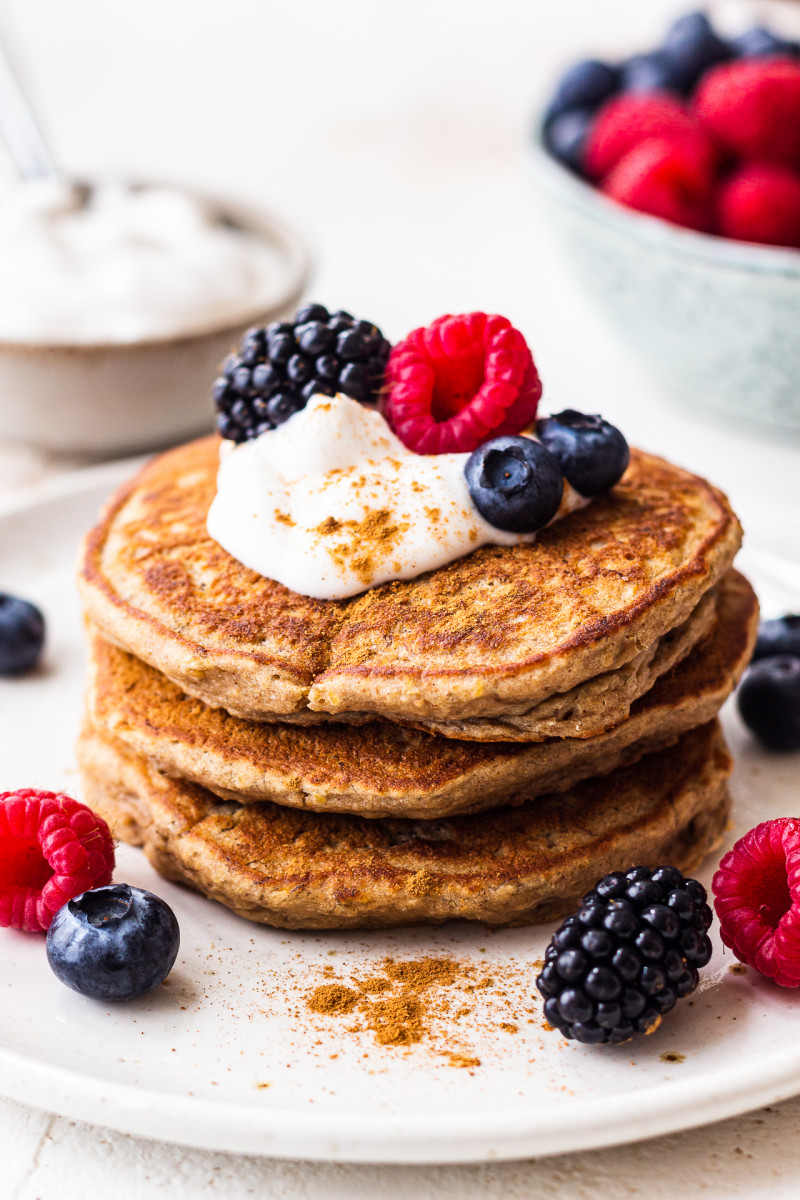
[279, 368]
[631, 951]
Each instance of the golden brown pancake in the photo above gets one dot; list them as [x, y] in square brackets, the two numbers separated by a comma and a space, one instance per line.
[492, 634]
[300, 870]
[382, 769]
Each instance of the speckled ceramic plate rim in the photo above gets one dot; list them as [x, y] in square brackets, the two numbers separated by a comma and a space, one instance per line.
[503, 1134]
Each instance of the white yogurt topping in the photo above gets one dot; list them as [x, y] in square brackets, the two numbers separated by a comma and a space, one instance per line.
[130, 264]
[331, 503]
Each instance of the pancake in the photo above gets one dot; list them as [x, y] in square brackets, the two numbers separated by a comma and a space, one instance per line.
[491, 634]
[300, 870]
[382, 769]
[595, 705]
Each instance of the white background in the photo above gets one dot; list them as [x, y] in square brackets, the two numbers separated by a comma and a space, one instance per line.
[393, 135]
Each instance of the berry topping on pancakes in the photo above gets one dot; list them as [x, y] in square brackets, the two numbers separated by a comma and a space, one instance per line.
[591, 452]
[514, 483]
[458, 381]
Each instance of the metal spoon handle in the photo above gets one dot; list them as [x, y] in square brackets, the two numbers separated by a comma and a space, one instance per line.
[19, 125]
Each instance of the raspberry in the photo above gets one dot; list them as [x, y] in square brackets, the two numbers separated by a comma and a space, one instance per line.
[752, 108]
[634, 118]
[51, 849]
[757, 898]
[460, 380]
[664, 179]
[761, 203]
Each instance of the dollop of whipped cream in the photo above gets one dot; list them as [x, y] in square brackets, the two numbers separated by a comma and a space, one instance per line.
[332, 503]
[123, 265]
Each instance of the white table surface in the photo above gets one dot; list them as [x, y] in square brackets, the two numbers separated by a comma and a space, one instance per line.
[393, 135]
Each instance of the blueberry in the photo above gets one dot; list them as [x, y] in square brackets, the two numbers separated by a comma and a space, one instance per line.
[113, 943]
[21, 635]
[515, 483]
[584, 85]
[759, 42]
[780, 636]
[649, 73]
[592, 453]
[691, 47]
[769, 702]
[565, 137]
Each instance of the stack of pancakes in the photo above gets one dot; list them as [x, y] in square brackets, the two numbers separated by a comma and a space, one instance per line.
[481, 742]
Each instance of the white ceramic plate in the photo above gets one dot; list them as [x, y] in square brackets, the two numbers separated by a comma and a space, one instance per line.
[190, 1062]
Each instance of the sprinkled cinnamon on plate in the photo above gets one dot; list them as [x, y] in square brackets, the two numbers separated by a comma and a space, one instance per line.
[408, 1001]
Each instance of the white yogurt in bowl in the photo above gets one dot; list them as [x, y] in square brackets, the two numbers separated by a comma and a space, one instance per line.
[115, 313]
[123, 264]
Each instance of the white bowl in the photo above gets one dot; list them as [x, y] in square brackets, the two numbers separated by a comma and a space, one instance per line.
[121, 398]
[716, 321]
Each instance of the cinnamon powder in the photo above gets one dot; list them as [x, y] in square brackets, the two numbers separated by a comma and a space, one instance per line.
[367, 543]
[397, 1005]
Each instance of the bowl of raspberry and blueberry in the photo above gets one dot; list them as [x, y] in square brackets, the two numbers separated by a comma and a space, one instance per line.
[673, 175]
